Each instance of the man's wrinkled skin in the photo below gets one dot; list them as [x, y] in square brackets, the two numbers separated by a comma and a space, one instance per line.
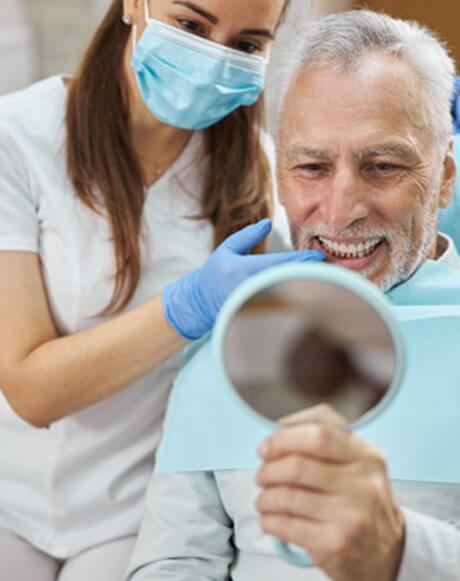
[357, 162]
[328, 491]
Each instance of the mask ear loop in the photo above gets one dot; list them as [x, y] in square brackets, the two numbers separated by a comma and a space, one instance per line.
[134, 34]
[146, 11]
[134, 38]
[269, 55]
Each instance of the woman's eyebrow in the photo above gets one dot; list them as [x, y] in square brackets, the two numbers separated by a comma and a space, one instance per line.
[212, 19]
[258, 32]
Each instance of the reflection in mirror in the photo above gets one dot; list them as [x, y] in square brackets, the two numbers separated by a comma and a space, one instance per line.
[303, 342]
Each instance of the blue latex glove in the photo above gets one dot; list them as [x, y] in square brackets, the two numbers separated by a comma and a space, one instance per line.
[191, 304]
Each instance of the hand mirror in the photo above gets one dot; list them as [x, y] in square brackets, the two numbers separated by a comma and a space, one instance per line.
[298, 335]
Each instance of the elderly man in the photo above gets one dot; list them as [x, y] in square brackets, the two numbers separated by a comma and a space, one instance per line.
[365, 161]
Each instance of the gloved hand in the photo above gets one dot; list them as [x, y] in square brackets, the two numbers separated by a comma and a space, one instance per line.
[191, 304]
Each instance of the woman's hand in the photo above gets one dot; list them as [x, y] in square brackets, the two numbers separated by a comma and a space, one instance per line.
[191, 304]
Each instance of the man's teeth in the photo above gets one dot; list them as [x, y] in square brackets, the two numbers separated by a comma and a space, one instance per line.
[349, 250]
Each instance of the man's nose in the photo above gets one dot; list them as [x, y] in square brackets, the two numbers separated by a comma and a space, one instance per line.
[346, 202]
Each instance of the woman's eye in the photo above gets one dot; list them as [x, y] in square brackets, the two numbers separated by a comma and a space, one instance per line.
[191, 26]
[248, 47]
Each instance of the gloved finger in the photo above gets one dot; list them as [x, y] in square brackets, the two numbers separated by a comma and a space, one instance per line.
[263, 261]
[244, 240]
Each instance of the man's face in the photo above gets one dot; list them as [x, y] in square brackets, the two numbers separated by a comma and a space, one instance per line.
[358, 171]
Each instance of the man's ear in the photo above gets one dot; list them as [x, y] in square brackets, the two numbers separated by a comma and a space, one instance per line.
[449, 175]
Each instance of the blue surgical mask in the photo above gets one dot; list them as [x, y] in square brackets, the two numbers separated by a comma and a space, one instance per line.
[190, 82]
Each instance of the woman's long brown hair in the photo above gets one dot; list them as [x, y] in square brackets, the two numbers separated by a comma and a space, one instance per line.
[108, 178]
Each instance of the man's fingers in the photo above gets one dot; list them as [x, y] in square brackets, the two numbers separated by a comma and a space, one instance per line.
[315, 440]
[322, 413]
[301, 471]
[297, 501]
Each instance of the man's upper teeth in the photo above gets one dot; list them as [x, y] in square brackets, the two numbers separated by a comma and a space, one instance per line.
[339, 248]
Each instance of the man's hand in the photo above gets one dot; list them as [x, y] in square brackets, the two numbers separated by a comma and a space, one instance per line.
[328, 491]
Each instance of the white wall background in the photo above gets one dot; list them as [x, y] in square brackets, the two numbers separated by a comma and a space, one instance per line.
[18, 56]
[300, 11]
[39, 38]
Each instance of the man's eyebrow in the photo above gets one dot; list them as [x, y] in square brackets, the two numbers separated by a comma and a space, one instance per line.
[212, 19]
[393, 149]
[296, 152]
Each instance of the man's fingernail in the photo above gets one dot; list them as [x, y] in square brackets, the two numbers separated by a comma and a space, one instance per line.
[263, 449]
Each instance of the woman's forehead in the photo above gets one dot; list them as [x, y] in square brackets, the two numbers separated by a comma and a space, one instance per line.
[250, 14]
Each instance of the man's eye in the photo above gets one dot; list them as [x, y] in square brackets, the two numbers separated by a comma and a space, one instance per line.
[311, 167]
[246, 46]
[191, 26]
[384, 167]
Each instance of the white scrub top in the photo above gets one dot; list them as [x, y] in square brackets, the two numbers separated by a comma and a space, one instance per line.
[81, 481]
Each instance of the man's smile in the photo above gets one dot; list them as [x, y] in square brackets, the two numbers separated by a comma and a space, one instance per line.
[352, 253]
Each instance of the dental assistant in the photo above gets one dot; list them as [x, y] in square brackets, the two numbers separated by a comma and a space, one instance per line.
[116, 186]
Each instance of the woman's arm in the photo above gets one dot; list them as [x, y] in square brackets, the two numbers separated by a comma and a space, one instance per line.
[46, 377]
[185, 534]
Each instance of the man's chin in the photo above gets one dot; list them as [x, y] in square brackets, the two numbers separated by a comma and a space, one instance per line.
[373, 267]
[384, 277]
[385, 283]
[378, 267]
[388, 280]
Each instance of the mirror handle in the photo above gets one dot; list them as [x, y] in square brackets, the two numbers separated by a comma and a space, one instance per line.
[294, 556]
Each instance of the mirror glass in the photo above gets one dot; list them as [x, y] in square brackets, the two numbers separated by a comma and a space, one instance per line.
[304, 342]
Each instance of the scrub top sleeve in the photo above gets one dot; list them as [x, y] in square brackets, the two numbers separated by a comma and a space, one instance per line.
[432, 550]
[19, 224]
[185, 533]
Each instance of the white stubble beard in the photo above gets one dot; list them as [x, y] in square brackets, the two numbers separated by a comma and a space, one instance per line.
[402, 261]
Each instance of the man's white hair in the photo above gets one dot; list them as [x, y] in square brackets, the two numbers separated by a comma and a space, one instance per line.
[342, 40]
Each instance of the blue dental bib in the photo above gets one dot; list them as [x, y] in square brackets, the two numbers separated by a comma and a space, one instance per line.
[207, 428]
